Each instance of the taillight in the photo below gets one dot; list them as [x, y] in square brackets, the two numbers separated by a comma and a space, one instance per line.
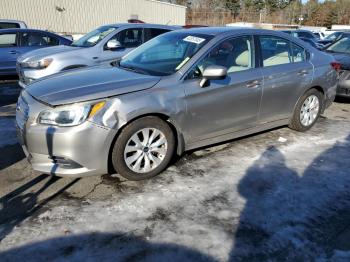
[336, 66]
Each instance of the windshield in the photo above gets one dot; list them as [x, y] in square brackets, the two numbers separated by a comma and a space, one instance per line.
[165, 54]
[332, 36]
[341, 46]
[94, 37]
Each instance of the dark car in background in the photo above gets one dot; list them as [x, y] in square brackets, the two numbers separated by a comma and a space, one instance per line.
[319, 35]
[16, 42]
[331, 38]
[7, 24]
[301, 33]
[312, 42]
[341, 52]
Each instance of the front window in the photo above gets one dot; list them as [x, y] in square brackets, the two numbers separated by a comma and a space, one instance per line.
[341, 46]
[235, 54]
[165, 54]
[94, 37]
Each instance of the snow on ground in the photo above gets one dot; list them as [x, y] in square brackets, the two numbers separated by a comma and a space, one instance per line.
[260, 198]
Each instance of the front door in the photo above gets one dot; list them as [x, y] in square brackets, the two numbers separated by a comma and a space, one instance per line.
[228, 105]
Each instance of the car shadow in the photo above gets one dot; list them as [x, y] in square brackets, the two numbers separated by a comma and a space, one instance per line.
[9, 91]
[103, 247]
[342, 100]
[10, 154]
[288, 217]
[20, 204]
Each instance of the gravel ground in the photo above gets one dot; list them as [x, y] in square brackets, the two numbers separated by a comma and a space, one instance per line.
[275, 196]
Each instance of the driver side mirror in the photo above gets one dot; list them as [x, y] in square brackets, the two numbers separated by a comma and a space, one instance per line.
[213, 72]
[113, 44]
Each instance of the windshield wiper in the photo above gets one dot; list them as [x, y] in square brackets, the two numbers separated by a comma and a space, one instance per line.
[134, 69]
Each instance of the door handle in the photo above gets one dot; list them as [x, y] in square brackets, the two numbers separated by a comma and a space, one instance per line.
[13, 52]
[95, 57]
[303, 72]
[252, 84]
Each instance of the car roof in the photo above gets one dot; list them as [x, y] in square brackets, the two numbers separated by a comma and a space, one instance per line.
[297, 30]
[11, 30]
[143, 25]
[214, 31]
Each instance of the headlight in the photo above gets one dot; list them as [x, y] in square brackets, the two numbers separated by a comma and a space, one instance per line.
[41, 64]
[69, 115]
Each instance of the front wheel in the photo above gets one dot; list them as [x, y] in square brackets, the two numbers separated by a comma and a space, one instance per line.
[307, 111]
[143, 149]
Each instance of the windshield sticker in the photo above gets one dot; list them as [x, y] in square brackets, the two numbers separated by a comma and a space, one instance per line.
[194, 39]
[182, 63]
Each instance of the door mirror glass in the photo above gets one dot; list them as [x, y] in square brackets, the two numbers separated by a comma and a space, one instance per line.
[113, 44]
[213, 72]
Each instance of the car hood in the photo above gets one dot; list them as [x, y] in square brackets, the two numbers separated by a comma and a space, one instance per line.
[343, 59]
[38, 54]
[89, 84]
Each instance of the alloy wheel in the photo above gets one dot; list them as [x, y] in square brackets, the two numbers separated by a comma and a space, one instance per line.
[145, 150]
[309, 110]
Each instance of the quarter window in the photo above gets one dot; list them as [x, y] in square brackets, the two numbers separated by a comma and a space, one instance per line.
[234, 54]
[275, 51]
[8, 40]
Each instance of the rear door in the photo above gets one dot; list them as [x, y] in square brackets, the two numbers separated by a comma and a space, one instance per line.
[287, 72]
[9, 52]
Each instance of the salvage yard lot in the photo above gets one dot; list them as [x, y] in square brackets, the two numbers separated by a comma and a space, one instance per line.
[278, 195]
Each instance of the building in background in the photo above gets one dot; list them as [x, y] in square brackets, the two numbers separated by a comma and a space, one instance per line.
[81, 16]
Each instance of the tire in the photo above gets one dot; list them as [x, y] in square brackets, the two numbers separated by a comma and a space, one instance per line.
[138, 156]
[300, 123]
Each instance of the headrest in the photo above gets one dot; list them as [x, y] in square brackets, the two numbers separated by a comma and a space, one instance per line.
[243, 59]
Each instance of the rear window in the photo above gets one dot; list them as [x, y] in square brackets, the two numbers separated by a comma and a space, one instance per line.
[4, 25]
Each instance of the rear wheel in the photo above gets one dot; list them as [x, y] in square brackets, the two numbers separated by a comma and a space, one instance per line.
[307, 111]
[143, 149]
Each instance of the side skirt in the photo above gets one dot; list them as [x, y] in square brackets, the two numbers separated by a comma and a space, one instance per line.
[237, 134]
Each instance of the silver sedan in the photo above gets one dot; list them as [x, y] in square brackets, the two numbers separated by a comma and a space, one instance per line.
[101, 46]
[182, 90]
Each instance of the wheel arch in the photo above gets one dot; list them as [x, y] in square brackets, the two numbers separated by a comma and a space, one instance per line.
[179, 139]
[316, 87]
